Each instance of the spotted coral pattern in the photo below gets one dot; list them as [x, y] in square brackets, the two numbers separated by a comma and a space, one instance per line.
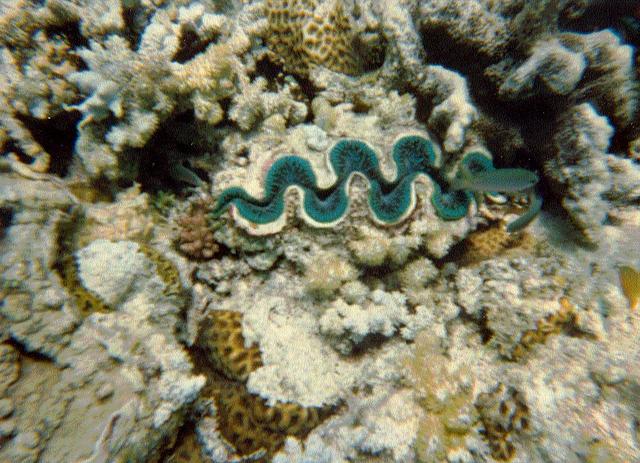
[307, 33]
[489, 242]
[221, 336]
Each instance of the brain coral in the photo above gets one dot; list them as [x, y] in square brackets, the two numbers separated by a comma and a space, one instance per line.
[304, 33]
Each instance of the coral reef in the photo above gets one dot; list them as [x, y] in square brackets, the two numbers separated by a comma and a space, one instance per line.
[293, 231]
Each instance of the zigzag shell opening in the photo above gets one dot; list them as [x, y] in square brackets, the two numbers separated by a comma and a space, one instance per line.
[390, 201]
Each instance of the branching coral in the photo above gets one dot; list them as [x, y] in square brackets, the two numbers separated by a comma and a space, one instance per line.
[389, 201]
[34, 84]
[128, 87]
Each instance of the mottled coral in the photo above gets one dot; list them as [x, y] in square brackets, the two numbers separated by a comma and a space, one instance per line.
[307, 33]
[553, 323]
[245, 420]
[489, 242]
[221, 337]
[504, 414]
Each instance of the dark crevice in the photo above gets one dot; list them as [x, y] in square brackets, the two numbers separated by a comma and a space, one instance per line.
[6, 218]
[25, 353]
[191, 45]
[165, 149]
[621, 15]
[483, 324]
[70, 33]
[53, 135]
[371, 341]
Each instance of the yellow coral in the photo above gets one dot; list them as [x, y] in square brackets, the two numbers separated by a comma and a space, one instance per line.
[630, 283]
[306, 33]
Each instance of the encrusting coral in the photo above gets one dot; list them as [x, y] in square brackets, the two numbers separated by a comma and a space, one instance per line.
[389, 201]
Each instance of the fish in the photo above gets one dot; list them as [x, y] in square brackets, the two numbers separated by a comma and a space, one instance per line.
[498, 180]
[630, 283]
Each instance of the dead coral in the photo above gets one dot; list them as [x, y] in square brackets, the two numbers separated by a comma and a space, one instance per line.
[303, 34]
[195, 238]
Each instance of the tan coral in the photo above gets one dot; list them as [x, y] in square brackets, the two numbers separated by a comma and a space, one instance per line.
[307, 33]
[446, 398]
[127, 218]
[9, 367]
[490, 242]
[328, 272]
[211, 76]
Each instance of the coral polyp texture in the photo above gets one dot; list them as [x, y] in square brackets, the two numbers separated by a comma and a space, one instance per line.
[303, 34]
[390, 201]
